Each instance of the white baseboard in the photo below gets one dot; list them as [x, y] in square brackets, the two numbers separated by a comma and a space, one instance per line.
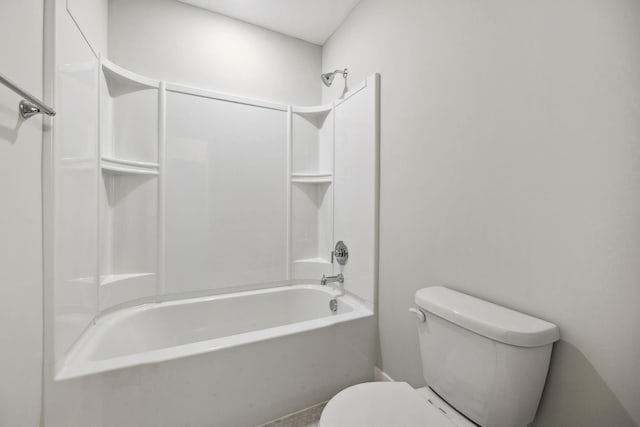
[380, 375]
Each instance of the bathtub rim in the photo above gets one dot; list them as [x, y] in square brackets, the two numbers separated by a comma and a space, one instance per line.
[75, 366]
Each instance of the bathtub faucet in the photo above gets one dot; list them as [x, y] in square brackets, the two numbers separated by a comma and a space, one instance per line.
[339, 278]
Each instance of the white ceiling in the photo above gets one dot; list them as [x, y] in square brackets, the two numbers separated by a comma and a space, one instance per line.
[310, 20]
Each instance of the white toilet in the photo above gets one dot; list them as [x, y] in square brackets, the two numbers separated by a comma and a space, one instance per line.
[484, 365]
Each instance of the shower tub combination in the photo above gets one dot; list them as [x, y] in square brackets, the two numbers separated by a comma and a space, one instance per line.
[237, 359]
[190, 229]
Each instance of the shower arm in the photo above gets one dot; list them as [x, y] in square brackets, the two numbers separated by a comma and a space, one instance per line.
[344, 72]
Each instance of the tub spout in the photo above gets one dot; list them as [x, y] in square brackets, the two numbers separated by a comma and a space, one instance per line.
[339, 278]
[339, 289]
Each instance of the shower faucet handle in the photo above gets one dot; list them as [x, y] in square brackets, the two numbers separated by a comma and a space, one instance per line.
[340, 253]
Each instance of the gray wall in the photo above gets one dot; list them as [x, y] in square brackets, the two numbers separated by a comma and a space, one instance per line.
[172, 41]
[20, 217]
[510, 157]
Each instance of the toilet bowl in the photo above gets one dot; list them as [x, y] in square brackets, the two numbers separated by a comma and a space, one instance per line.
[484, 364]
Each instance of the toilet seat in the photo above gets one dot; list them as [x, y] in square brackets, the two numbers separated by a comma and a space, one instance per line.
[383, 404]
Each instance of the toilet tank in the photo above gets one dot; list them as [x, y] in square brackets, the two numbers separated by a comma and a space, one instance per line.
[487, 361]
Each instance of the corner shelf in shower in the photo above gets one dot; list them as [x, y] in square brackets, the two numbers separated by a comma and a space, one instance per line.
[131, 126]
[312, 148]
[312, 178]
[122, 167]
[312, 261]
[115, 278]
[315, 115]
[129, 118]
[116, 73]
[317, 109]
[320, 110]
[121, 288]
[311, 268]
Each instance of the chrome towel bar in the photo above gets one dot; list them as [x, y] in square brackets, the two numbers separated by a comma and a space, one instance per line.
[30, 106]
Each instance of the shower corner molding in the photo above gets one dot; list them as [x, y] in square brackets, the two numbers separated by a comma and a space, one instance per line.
[319, 181]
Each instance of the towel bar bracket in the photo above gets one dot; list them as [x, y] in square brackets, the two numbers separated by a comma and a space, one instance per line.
[27, 109]
[30, 106]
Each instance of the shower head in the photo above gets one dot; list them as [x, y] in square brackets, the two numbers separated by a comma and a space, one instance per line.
[327, 78]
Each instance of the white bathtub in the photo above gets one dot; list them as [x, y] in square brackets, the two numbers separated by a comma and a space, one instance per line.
[234, 360]
[158, 332]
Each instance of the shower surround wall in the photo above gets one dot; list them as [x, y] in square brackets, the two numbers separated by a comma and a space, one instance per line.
[226, 194]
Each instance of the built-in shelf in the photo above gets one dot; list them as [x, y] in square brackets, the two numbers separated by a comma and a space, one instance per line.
[132, 163]
[131, 119]
[312, 178]
[121, 166]
[311, 193]
[319, 109]
[311, 268]
[116, 73]
[313, 115]
[114, 278]
[124, 170]
[121, 288]
[312, 261]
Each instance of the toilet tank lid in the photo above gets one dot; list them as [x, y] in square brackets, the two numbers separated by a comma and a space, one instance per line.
[487, 319]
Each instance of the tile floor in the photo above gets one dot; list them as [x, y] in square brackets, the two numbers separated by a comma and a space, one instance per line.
[309, 417]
